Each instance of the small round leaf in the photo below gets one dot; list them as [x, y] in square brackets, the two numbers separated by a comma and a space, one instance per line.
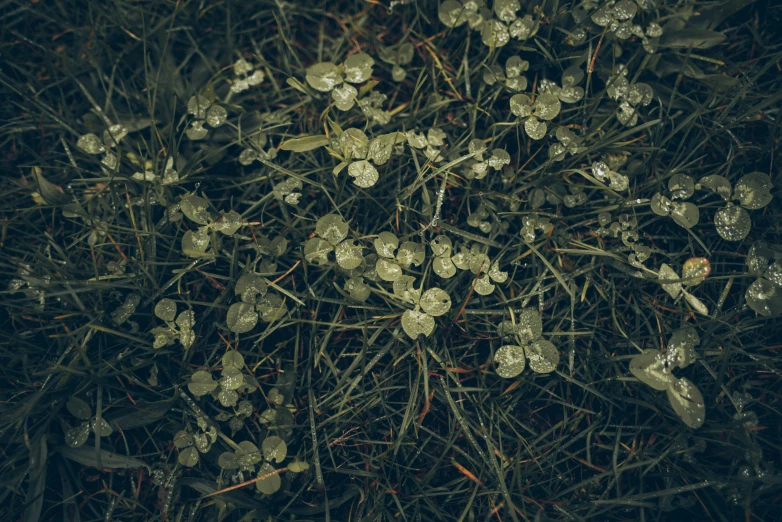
[435, 302]
[687, 402]
[510, 361]
[543, 356]
[241, 318]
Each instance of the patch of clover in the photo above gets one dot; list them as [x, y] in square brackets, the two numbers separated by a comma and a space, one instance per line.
[527, 333]
[477, 261]
[255, 302]
[626, 227]
[605, 173]
[655, 369]
[764, 295]
[569, 143]
[331, 233]
[247, 455]
[245, 76]
[569, 92]
[533, 116]
[178, 327]
[428, 305]
[442, 248]
[393, 258]
[255, 150]
[694, 272]
[477, 218]
[495, 32]
[90, 144]
[168, 177]
[577, 196]
[192, 444]
[684, 213]
[630, 97]
[286, 191]
[78, 435]
[205, 111]
[361, 155]
[123, 312]
[512, 78]
[195, 242]
[480, 165]
[752, 192]
[337, 79]
[435, 138]
[617, 17]
[372, 107]
[533, 223]
[397, 56]
[242, 411]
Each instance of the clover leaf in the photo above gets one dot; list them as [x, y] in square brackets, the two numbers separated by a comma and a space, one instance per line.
[511, 358]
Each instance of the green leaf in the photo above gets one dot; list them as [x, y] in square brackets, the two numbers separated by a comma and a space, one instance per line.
[416, 323]
[435, 302]
[695, 38]
[651, 369]
[298, 466]
[233, 359]
[687, 402]
[543, 356]
[270, 484]
[195, 208]
[201, 383]
[78, 408]
[77, 436]
[510, 361]
[305, 144]
[274, 449]
[241, 318]
[165, 309]
[50, 192]
[188, 457]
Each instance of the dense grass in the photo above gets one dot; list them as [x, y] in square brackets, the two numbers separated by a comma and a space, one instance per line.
[389, 427]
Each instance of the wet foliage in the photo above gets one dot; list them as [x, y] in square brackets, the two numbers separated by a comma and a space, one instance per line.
[390, 260]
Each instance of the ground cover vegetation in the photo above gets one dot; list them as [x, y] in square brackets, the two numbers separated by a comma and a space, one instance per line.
[390, 260]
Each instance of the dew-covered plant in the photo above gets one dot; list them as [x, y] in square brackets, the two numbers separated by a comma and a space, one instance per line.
[527, 332]
[245, 76]
[694, 272]
[393, 258]
[569, 91]
[78, 435]
[495, 32]
[178, 327]
[397, 56]
[432, 303]
[533, 115]
[255, 303]
[764, 295]
[337, 79]
[205, 110]
[435, 137]
[512, 77]
[569, 143]
[331, 233]
[630, 96]
[752, 191]
[195, 242]
[655, 369]
[684, 213]
[480, 165]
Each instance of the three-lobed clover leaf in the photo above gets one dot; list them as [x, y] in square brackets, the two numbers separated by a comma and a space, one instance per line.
[527, 331]
[391, 261]
[684, 213]
[328, 77]
[397, 56]
[655, 369]
[332, 231]
[177, 327]
[420, 321]
[752, 191]
[533, 114]
[764, 295]
[694, 272]
[512, 77]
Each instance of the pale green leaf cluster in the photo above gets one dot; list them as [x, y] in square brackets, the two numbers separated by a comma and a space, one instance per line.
[655, 369]
[78, 435]
[511, 359]
[177, 327]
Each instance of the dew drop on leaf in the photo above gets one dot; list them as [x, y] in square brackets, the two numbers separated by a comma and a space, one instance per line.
[681, 347]
[521, 105]
[733, 223]
[685, 214]
[681, 186]
[332, 228]
[668, 273]
[687, 402]
[348, 255]
[547, 106]
[543, 356]
[649, 367]
[416, 323]
[764, 297]
[529, 326]
[188, 457]
[483, 285]
[249, 286]
[196, 131]
[695, 303]
[386, 244]
[248, 455]
[695, 270]
[233, 359]
[165, 309]
[494, 33]
[216, 116]
[661, 205]
[90, 144]
[323, 77]
[227, 398]
[774, 273]
[535, 128]
[227, 461]
[358, 68]
[270, 484]
[271, 307]
[757, 261]
[404, 288]
[357, 288]
[753, 190]
[510, 361]
[195, 208]
[364, 174]
[506, 9]
[717, 184]
[344, 97]
[241, 318]
[388, 270]
[195, 242]
[353, 143]
[77, 436]
[274, 449]
[316, 251]
[201, 383]
[444, 267]
[435, 302]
